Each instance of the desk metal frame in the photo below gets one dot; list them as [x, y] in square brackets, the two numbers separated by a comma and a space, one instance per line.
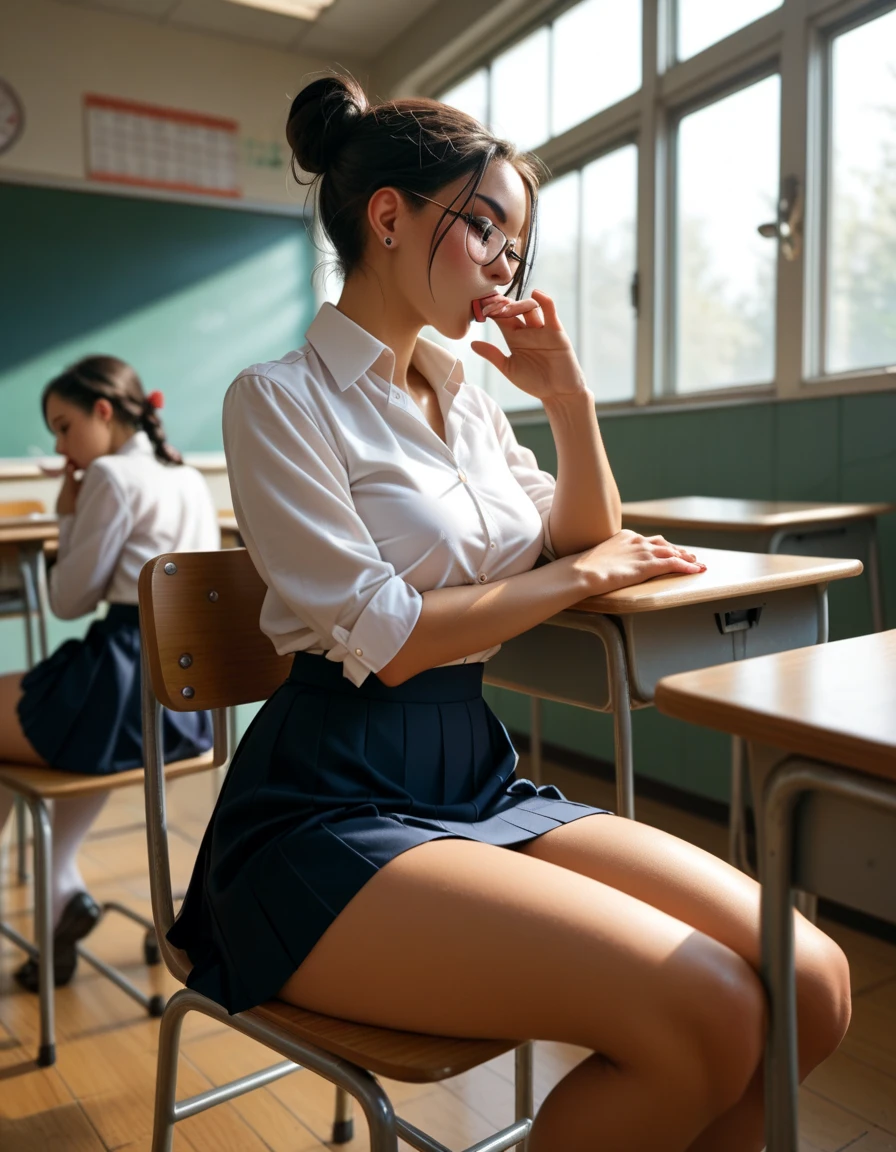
[627, 690]
[789, 781]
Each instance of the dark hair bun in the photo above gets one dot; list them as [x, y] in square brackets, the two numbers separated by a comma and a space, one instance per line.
[321, 118]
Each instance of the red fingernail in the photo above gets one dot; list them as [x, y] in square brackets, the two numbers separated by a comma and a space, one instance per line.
[477, 311]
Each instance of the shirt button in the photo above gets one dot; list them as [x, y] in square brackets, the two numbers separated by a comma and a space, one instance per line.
[493, 545]
[462, 476]
[359, 651]
[482, 577]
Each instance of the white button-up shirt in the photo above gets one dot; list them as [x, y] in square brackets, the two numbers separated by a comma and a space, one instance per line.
[351, 506]
[130, 508]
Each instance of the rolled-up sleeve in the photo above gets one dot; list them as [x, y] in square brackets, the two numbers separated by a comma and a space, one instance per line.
[293, 500]
[90, 543]
[535, 482]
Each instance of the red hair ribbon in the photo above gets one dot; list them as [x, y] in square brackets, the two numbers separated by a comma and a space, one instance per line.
[156, 400]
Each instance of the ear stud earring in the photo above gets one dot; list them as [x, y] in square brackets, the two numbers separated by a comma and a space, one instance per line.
[388, 241]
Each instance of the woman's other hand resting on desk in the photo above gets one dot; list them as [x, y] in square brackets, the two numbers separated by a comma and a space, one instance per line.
[456, 621]
[628, 558]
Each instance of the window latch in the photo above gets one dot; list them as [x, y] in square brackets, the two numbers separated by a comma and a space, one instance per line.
[788, 228]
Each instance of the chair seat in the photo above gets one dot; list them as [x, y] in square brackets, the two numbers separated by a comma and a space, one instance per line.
[50, 784]
[405, 1056]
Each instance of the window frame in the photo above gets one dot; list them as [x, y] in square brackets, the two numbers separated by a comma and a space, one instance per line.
[794, 40]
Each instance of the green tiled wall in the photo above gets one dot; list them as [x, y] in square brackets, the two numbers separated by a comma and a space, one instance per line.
[831, 449]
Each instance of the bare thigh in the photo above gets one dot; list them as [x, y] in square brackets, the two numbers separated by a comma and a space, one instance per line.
[461, 938]
[697, 888]
[14, 744]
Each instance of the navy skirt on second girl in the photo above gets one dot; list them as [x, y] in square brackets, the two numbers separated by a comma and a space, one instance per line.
[81, 708]
[329, 784]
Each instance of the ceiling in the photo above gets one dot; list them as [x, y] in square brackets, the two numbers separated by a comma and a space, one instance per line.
[350, 29]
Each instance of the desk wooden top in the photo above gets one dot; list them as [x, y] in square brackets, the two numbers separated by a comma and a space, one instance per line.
[728, 574]
[720, 514]
[25, 529]
[833, 702]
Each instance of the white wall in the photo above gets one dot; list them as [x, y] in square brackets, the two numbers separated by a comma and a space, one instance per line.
[53, 53]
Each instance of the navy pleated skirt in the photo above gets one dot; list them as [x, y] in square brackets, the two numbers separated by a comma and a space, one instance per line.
[329, 784]
[81, 709]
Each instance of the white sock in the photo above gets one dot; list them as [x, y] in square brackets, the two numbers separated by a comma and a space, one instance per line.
[72, 819]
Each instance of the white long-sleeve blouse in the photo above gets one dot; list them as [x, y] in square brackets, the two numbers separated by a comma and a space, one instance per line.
[130, 508]
[351, 506]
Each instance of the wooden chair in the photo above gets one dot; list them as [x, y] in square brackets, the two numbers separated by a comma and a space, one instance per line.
[29, 601]
[202, 648]
[37, 787]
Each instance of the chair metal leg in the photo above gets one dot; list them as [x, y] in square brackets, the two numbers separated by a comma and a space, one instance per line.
[535, 718]
[343, 1121]
[43, 928]
[166, 1077]
[363, 1087]
[524, 1085]
[21, 839]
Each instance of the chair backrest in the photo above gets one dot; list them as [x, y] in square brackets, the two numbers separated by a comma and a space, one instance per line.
[21, 507]
[199, 619]
[202, 648]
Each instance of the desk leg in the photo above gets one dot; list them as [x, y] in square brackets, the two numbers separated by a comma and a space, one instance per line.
[737, 820]
[874, 581]
[776, 916]
[28, 587]
[535, 713]
[621, 703]
[43, 600]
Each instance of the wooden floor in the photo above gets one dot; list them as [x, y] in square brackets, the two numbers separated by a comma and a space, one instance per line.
[99, 1095]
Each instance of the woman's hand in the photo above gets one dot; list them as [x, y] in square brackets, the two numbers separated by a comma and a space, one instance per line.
[67, 499]
[628, 558]
[542, 361]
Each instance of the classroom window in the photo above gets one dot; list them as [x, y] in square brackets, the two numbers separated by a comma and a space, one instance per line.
[724, 278]
[726, 131]
[471, 96]
[705, 22]
[861, 225]
[519, 91]
[556, 268]
[606, 343]
[595, 59]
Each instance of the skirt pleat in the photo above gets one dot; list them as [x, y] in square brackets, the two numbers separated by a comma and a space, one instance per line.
[329, 784]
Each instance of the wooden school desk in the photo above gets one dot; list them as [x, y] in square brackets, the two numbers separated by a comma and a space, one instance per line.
[775, 526]
[608, 652]
[824, 719]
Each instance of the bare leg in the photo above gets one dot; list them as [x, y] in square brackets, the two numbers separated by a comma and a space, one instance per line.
[723, 903]
[14, 744]
[460, 938]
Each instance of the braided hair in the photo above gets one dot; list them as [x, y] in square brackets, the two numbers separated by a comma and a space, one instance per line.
[108, 378]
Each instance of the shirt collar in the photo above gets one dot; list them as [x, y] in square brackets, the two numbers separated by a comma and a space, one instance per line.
[138, 444]
[349, 351]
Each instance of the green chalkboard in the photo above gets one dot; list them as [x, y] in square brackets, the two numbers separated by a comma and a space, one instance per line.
[188, 294]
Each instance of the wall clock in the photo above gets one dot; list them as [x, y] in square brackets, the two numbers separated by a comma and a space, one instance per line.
[12, 116]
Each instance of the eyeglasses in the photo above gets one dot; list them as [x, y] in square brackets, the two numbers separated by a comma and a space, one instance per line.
[484, 240]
